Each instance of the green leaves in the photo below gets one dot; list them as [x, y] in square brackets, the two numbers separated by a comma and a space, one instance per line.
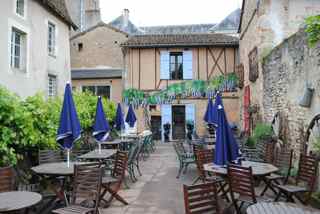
[313, 29]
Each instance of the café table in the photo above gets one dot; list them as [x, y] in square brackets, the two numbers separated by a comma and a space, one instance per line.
[122, 144]
[281, 208]
[98, 155]
[15, 201]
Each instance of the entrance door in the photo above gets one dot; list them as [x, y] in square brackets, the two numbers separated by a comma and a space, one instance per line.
[178, 122]
[156, 127]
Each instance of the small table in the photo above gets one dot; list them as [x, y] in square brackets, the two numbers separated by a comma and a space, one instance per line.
[258, 169]
[281, 208]
[122, 144]
[18, 200]
[98, 155]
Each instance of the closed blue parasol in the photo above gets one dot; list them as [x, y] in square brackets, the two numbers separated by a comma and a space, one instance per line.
[119, 123]
[69, 129]
[226, 149]
[131, 117]
[101, 126]
[210, 116]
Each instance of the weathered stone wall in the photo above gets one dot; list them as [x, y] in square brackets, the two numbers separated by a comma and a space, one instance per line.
[286, 70]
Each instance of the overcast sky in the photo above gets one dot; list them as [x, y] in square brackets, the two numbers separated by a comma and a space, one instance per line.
[169, 12]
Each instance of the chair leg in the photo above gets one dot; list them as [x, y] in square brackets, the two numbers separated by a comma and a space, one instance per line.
[278, 196]
[180, 170]
[224, 192]
[185, 168]
[196, 180]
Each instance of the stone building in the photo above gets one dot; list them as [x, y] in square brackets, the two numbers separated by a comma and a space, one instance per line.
[263, 26]
[97, 60]
[34, 46]
[154, 62]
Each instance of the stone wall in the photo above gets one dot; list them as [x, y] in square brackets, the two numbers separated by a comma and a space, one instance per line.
[286, 70]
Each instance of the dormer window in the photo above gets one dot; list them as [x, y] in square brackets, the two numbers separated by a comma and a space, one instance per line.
[20, 7]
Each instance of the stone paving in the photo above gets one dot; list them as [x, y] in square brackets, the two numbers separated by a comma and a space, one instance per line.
[157, 190]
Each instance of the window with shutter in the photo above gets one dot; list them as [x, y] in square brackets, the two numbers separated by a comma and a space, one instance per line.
[166, 117]
[187, 65]
[164, 65]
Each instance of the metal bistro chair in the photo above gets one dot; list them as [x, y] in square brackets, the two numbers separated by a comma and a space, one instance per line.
[202, 198]
[305, 181]
[283, 160]
[241, 182]
[112, 183]
[185, 159]
[85, 196]
[133, 159]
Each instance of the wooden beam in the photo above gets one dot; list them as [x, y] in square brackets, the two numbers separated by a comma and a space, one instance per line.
[234, 59]
[225, 61]
[155, 68]
[198, 64]
[207, 70]
[139, 64]
[216, 62]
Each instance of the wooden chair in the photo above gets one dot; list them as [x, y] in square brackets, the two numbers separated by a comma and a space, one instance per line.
[7, 179]
[50, 156]
[112, 183]
[283, 160]
[202, 198]
[241, 182]
[305, 181]
[86, 190]
[185, 159]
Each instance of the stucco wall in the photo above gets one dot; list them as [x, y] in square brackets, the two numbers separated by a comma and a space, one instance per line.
[265, 26]
[285, 73]
[101, 48]
[116, 86]
[39, 64]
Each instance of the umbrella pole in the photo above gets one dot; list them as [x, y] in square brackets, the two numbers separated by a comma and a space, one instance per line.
[99, 147]
[68, 158]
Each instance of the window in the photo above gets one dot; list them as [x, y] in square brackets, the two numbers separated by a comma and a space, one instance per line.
[20, 7]
[51, 39]
[80, 46]
[100, 90]
[18, 49]
[52, 86]
[176, 66]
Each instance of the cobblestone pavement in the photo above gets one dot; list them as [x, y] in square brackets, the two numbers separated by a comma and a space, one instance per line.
[157, 190]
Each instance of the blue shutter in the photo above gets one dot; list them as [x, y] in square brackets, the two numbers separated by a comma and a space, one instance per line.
[187, 65]
[164, 65]
[166, 117]
[190, 112]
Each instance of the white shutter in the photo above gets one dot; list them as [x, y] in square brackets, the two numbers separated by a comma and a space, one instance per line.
[187, 65]
[166, 117]
[190, 113]
[164, 65]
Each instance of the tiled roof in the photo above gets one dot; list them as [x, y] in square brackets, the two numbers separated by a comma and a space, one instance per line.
[96, 73]
[177, 29]
[230, 23]
[59, 8]
[185, 40]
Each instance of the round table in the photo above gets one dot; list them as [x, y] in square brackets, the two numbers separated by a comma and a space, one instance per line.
[281, 208]
[57, 169]
[258, 169]
[18, 200]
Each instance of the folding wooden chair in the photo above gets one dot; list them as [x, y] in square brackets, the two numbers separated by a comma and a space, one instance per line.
[50, 156]
[112, 183]
[241, 182]
[86, 190]
[202, 198]
[305, 181]
[283, 160]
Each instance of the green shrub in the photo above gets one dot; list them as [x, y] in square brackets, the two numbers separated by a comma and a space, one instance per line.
[262, 131]
[313, 29]
[251, 142]
[31, 124]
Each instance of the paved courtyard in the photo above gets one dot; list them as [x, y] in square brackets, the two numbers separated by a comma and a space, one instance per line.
[157, 190]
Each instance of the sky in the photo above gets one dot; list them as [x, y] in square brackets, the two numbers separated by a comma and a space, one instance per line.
[169, 12]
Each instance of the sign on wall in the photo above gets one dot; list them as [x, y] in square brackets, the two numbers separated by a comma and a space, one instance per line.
[253, 65]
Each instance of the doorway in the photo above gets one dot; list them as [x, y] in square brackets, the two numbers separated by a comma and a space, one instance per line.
[178, 122]
[156, 127]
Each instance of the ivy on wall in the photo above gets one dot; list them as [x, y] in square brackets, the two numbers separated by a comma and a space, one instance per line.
[313, 30]
[190, 88]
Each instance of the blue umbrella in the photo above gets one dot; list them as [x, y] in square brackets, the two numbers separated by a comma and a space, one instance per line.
[101, 126]
[131, 117]
[226, 149]
[210, 116]
[119, 123]
[69, 129]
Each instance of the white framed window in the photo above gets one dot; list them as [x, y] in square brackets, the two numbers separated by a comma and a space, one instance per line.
[51, 39]
[99, 90]
[20, 7]
[52, 85]
[18, 49]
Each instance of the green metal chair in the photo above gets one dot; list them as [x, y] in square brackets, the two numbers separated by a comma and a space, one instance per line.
[185, 158]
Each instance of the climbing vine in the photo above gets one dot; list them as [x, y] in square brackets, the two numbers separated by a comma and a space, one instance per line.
[313, 30]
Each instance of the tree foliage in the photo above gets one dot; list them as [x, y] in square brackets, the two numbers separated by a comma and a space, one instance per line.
[31, 124]
[313, 29]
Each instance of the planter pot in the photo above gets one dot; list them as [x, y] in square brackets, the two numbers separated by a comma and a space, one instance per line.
[7, 177]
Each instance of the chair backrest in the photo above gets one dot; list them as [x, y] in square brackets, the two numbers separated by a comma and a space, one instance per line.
[120, 165]
[178, 147]
[133, 152]
[50, 156]
[87, 184]
[307, 171]
[241, 182]
[268, 151]
[7, 179]
[202, 157]
[201, 198]
[283, 160]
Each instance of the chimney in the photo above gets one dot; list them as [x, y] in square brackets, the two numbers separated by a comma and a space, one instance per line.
[125, 16]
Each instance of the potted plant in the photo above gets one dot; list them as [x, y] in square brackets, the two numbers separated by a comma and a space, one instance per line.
[166, 134]
[262, 133]
[190, 129]
[7, 160]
